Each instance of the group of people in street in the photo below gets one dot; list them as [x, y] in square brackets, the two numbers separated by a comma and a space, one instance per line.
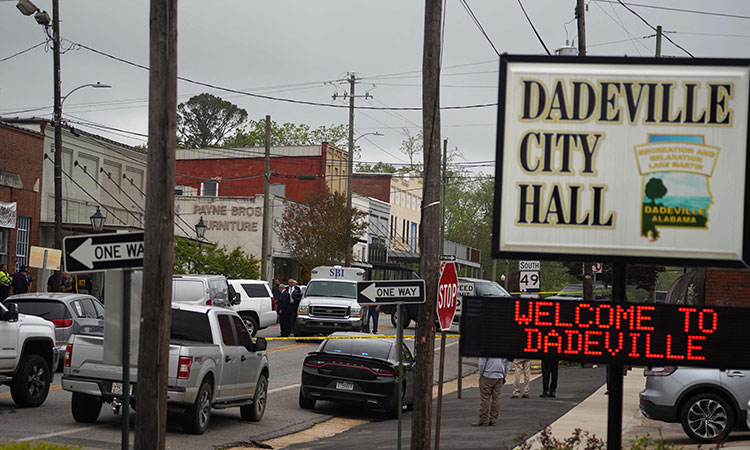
[492, 375]
[19, 283]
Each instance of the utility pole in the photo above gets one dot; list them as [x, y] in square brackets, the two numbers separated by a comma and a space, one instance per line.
[580, 15]
[424, 341]
[266, 206]
[58, 134]
[158, 260]
[658, 41]
[352, 82]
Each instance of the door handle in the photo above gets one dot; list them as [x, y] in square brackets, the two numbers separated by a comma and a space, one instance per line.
[243, 358]
[227, 358]
[736, 374]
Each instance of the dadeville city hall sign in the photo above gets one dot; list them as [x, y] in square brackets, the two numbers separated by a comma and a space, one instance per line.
[625, 158]
[635, 334]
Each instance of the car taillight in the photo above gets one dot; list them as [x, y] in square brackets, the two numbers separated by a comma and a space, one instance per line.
[183, 368]
[208, 302]
[273, 304]
[64, 323]
[314, 362]
[382, 372]
[659, 371]
[68, 355]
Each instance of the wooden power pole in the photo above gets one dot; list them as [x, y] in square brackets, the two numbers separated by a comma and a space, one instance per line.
[424, 342]
[158, 260]
[581, 16]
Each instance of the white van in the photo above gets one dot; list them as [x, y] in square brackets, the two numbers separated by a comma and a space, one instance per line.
[203, 290]
[257, 307]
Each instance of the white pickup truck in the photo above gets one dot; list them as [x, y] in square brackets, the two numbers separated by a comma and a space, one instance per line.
[213, 363]
[330, 302]
[27, 353]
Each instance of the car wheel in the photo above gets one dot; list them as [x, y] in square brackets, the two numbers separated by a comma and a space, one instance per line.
[197, 416]
[30, 384]
[404, 322]
[85, 408]
[251, 323]
[254, 412]
[304, 402]
[707, 418]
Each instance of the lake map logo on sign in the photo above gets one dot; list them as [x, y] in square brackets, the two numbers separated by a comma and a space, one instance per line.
[675, 189]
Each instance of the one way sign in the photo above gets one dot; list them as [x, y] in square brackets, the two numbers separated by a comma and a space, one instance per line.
[97, 252]
[390, 291]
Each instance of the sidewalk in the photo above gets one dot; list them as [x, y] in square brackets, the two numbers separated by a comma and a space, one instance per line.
[591, 415]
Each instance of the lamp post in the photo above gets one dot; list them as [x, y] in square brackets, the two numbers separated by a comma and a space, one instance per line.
[97, 221]
[200, 230]
[93, 85]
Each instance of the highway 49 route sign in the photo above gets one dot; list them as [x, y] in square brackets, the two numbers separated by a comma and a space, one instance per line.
[390, 291]
[98, 252]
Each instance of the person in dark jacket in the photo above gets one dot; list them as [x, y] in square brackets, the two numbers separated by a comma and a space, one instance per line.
[296, 294]
[21, 281]
[276, 289]
[286, 312]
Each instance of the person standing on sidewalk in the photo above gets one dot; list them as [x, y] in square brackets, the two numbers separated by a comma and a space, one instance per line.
[5, 280]
[549, 377]
[492, 373]
[521, 365]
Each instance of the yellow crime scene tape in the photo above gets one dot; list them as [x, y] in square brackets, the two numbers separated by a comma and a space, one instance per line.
[374, 336]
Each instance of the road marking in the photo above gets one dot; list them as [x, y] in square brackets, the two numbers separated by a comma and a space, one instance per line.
[289, 347]
[59, 433]
[283, 388]
[51, 388]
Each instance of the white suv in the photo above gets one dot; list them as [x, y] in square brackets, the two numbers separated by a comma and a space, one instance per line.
[257, 307]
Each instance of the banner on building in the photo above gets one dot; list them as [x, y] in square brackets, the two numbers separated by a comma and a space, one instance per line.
[8, 215]
[628, 159]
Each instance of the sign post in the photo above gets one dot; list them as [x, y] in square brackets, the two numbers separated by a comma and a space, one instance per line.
[105, 252]
[446, 309]
[398, 292]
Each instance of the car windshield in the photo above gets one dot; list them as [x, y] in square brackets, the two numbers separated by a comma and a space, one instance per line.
[373, 348]
[321, 288]
[490, 289]
[46, 309]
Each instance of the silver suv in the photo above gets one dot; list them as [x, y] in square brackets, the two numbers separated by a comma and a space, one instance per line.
[708, 403]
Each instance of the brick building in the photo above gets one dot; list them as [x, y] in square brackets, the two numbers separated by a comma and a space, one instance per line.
[21, 153]
[238, 172]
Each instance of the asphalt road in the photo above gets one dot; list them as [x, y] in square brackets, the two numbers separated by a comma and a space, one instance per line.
[53, 422]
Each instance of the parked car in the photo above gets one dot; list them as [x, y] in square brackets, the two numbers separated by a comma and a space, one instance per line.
[575, 292]
[708, 403]
[358, 371]
[26, 356]
[213, 363]
[257, 306]
[211, 290]
[71, 313]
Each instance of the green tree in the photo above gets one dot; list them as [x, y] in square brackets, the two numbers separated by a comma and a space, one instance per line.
[412, 146]
[205, 120]
[234, 264]
[254, 134]
[378, 167]
[655, 189]
[315, 231]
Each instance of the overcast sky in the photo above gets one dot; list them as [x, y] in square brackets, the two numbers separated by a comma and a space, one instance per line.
[297, 49]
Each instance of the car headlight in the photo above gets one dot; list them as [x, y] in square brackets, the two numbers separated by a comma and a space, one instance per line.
[356, 311]
[303, 308]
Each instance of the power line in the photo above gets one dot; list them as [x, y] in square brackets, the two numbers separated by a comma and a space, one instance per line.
[281, 99]
[621, 24]
[534, 28]
[691, 11]
[653, 28]
[473, 16]
[22, 51]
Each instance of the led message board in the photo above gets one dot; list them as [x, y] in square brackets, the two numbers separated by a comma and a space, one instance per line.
[604, 332]
[629, 159]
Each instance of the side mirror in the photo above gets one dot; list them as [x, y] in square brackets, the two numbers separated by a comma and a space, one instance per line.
[260, 344]
[236, 299]
[12, 315]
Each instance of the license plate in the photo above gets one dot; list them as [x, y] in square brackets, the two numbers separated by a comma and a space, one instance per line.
[117, 388]
[345, 385]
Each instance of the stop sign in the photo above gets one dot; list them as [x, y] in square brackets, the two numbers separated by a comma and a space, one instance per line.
[447, 290]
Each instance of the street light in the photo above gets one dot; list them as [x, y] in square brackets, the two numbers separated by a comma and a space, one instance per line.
[502, 279]
[97, 220]
[200, 230]
[93, 85]
[374, 133]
